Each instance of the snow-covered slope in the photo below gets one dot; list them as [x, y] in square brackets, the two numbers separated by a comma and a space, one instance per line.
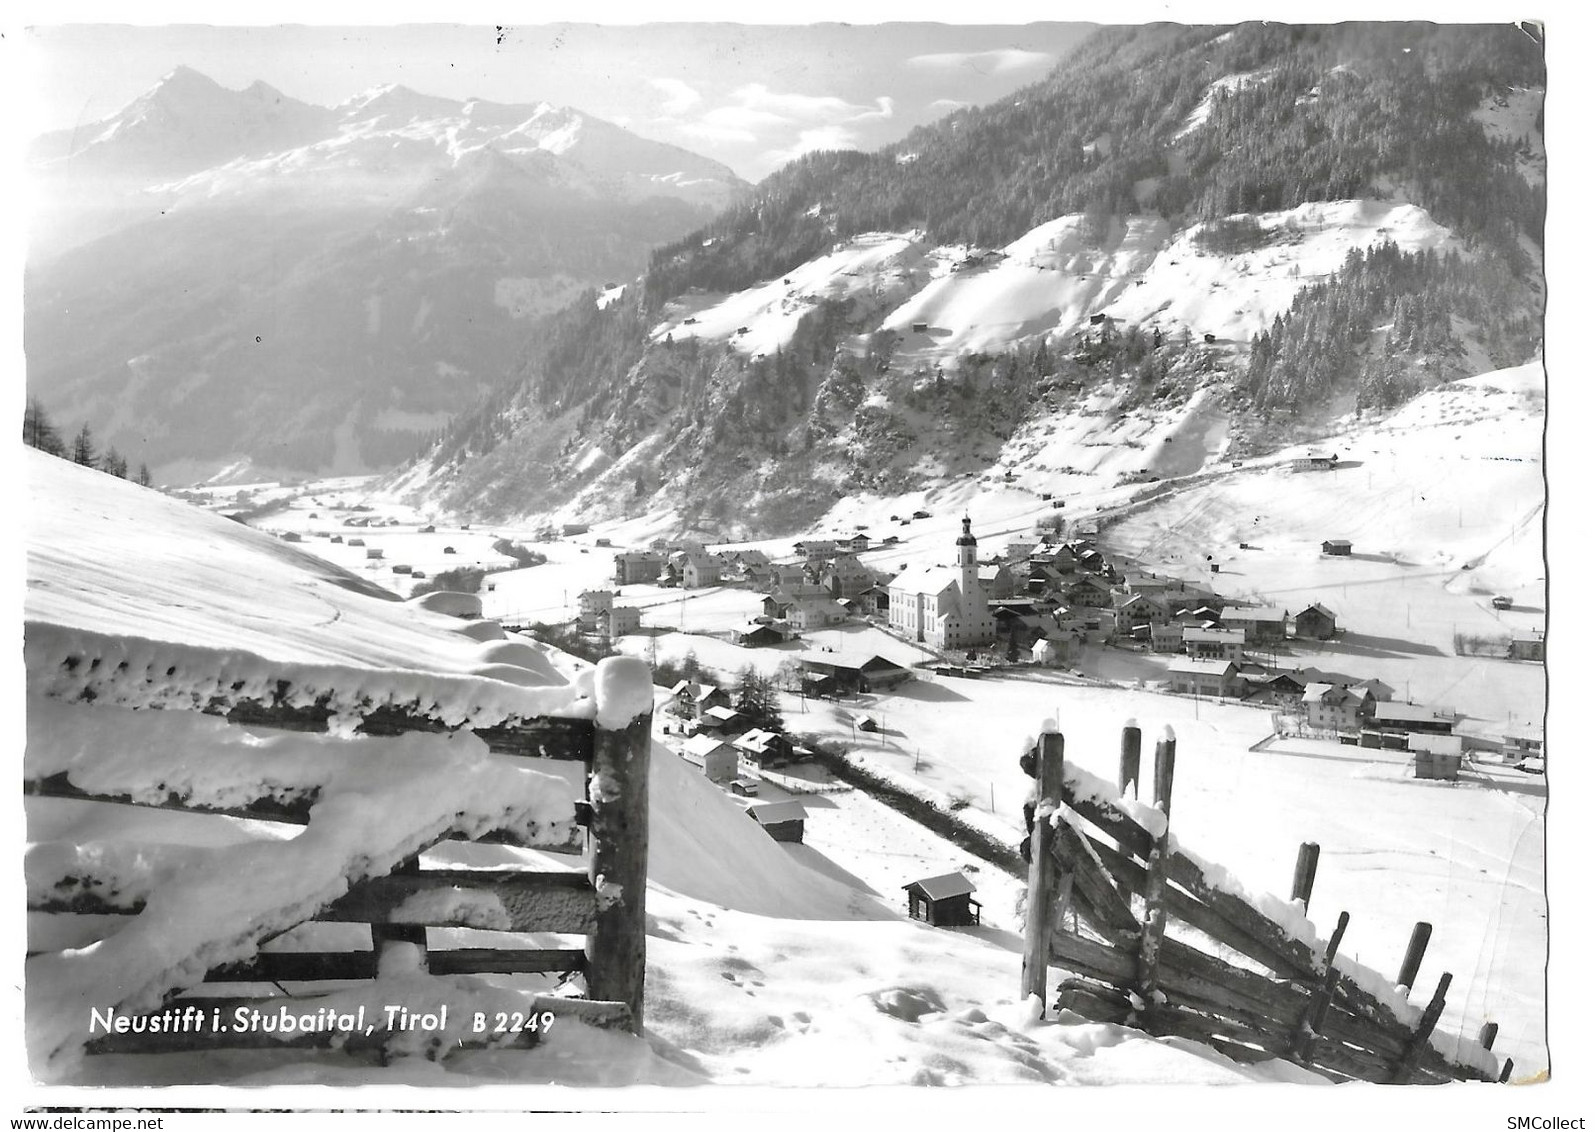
[1053, 279]
[762, 319]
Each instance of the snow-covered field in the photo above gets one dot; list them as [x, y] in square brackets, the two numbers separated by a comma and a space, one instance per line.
[1443, 502]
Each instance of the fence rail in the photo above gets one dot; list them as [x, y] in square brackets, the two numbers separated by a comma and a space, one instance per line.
[1107, 889]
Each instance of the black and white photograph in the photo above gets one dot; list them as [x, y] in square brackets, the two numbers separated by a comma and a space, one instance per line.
[707, 553]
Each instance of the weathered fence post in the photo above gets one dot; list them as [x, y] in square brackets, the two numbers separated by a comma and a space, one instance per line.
[1312, 1019]
[1420, 1037]
[1306, 872]
[1130, 757]
[1156, 915]
[1487, 1034]
[384, 936]
[1043, 889]
[1416, 946]
[618, 843]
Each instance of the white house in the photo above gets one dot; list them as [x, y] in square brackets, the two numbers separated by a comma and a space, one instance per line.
[943, 606]
[716, 757]
[593, 608]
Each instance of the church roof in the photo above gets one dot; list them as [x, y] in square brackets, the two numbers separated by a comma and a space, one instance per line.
[926, 579]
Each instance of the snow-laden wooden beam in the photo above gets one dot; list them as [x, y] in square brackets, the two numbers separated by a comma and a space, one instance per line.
[493, 900]
[277, 804]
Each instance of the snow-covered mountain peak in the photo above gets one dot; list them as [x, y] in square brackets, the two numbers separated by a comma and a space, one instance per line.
[183, 82]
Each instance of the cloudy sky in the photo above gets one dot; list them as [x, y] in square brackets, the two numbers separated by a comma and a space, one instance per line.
[752, 96]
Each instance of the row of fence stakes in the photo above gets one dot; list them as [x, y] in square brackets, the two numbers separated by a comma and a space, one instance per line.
[1049, 894]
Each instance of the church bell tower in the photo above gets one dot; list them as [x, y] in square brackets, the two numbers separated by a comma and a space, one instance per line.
[968, 568]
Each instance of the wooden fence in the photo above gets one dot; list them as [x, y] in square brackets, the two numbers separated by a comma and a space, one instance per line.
[1151, 938]
[605, 902]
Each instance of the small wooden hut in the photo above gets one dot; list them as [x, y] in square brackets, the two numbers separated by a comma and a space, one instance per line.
[946, 901]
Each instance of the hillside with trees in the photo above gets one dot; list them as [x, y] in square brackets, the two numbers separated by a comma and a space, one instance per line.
[1202, 128]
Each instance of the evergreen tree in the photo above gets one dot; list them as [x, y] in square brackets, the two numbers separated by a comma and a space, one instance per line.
[144, 475]
[38, 432]
[755, 697]
[83, 451]
[114, 464]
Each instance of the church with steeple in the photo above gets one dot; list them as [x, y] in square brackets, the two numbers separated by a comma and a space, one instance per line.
[944, 606]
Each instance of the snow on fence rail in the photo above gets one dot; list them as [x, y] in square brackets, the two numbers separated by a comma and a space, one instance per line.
[1110, 859]
[374, 788]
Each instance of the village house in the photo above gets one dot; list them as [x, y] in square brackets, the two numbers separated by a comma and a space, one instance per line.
[1316, 622]
[712, 755]
[1213, 644]
[1409, 718]
[857, 543]
[635, 566]
[1276, 688]
[1523, 740]
[1337, 546]
[785, 575]
[1435, 756]
[813, 550]
[763, 748]
[844, 576]
[996, 580]
[690, 700]
[1215, 678]
[1135, 581]
[620, 620]
[943, 606]
[766, 635]
[1527, 646]
[1335, 707]
[1315, 462]
[722, 719]
[1130, 610]
[1019, 549]
[805, 607]
[1263, 625]
[1203, 618]
[592, 608]
[1055, 651]
[875, 601]
[1045, 579]
[1091, 590]
[699, 569]
[1169, 637]
[856, 676]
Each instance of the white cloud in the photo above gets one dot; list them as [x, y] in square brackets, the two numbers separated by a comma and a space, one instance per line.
[1001, 61]
[820, 108]
[809, 140]
[678, 96]
[789, 124]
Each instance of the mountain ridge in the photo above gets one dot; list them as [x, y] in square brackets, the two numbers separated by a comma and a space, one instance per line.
[747, 382]
[245, 278]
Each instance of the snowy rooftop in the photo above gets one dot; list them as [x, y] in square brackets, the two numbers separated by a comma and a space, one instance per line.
[942, 887]
[774, 813]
